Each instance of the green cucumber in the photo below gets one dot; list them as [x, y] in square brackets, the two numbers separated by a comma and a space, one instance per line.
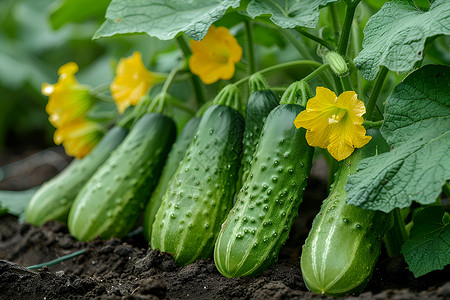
[52, 201]
[173, 160]
[344, 243]
[200, 193]
[111, 201]
[259, 105]
[259, 223]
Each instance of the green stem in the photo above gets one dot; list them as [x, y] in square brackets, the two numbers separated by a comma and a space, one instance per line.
[295, 63]
[249, 38]
[370, 124]
[315, 38]
[58, 260]
[180, 105]
[335, 20]
[346, 29]
[304, 52]
[346, 84]
[198, 91]
[338, 85]
[375, 93]
[446, 189]
[396, 236]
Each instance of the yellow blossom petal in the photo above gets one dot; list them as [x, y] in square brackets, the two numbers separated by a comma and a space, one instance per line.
[132, 81]
[334, 123]
[215, 56]
[78, 137]
[68, 100]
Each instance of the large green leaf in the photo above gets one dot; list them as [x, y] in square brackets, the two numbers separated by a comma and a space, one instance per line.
[289, 13]
[395, 36]
[163, 19]
[428, 247]
[68, 11]
[417, 126]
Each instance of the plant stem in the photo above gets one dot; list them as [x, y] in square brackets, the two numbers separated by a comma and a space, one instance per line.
[370, 124]
[343, 43]
[375, 93]
[338, 85]
[335, 20]
[198, 91]
[287, 33]
[58, 260]
[315, 38]
[396, 236]
[295, 63]
[346, 84]
[249, 38]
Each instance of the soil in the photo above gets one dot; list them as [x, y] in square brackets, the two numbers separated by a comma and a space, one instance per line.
[129, 269]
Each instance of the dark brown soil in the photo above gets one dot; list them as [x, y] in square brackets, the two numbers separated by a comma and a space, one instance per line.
[129, 269]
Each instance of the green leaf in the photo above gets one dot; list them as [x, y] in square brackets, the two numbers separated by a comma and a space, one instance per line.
[417, 126]
[289, 13]
[15, 202]
[164, 19]
[395, 36]
[428, 247]
[69, 11]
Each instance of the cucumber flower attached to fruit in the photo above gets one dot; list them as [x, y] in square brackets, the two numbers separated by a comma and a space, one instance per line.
[132, 81]
[334, 123]
[215, 56]
[68, 99]
[79, 137]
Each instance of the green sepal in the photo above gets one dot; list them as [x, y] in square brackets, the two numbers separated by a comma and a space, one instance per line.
[257, 83]
[297, 93]
[229, 96]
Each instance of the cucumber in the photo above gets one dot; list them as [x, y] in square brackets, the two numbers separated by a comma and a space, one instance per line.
[259, 105]
[52, 201]
[344, 243]
[259, 223]
[200, 193]
[173, 160]
[112, 200]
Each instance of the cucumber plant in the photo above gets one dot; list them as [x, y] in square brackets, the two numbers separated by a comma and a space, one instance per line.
[173, 160]
[111, 201]
[259, 223]
[199, 195]
[260, 103]
[52, 201]
[344, 243]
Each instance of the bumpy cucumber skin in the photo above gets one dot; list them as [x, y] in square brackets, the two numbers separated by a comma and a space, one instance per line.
[344, 243]
[259, 105]
[53, 200]
[173, 160]
[259, 223]
[199, 195]
[112, 200]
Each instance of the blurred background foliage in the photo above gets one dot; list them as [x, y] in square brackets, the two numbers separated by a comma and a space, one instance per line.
[37, 37]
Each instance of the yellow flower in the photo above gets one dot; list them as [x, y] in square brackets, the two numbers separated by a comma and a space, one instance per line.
[79, 137]
[334, 123]
[68, 100]
[214, 57]
[132, 81]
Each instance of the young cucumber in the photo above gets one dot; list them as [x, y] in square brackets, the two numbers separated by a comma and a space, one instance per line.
[112, 200]
[52, 201]
[343, 245]
[173, 160]
[259, 105]
[200, 193]
[259, 223]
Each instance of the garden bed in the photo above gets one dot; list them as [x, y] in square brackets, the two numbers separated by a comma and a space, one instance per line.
[129, 269]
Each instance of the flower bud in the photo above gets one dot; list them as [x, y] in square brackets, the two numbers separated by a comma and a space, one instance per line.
[337, 63]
